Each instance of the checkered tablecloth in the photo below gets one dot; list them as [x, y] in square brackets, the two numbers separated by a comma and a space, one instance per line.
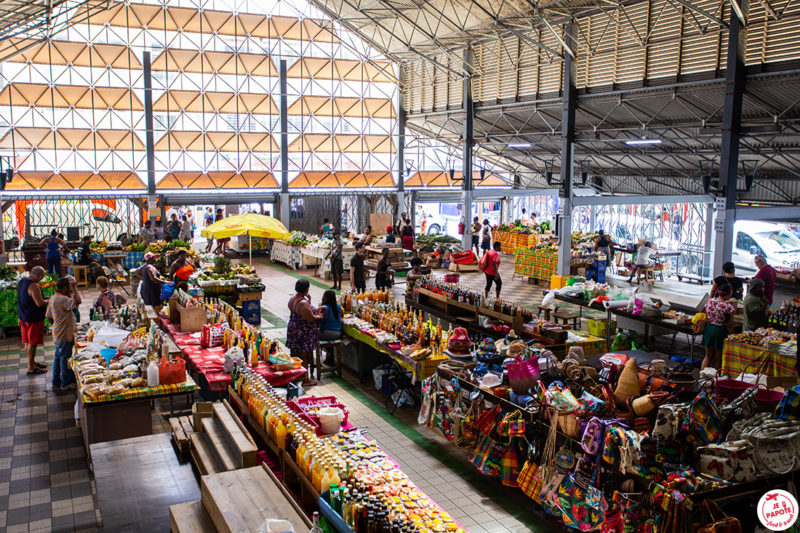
[209, 361]
[539, 263]
[138, 392]
[511, 242]
[737, 356]
[419, 369]
[591, 345]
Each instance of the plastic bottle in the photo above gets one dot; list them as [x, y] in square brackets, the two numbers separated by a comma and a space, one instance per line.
[152, 374]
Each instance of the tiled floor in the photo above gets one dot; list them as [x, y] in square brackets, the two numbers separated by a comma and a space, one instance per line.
[45, 481]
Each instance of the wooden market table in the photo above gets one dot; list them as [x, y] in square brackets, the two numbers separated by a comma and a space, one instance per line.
[663, 323]
[126, 415]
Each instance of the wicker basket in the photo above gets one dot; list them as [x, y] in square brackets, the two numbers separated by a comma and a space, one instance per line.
[294, 365]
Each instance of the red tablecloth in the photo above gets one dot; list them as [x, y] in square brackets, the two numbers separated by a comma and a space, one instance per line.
[209, 361]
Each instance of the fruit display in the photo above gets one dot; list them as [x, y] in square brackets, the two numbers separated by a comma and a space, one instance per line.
[98, 247]
[175, 244]
[762, 337]
[136, 247]
[7, 273]
[428, 243]
[299, 239]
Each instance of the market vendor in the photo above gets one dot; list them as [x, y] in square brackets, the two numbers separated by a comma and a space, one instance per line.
[383, 276]
[755, 306]
[146, 233]
[31, 308]
[719, 321]
[159, 230]
[435, 259]
[367, 240]
[151, 282]
[106, 300]
[476, 240]
[53, 246]
[391, 238]
[83, 255]
[326, 230]
[604, 244]
[766, 273]
[644, 255]
[533, 221]
[728, 277]
[337, 266]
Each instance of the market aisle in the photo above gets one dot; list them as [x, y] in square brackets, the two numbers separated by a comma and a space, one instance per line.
[44, 476]
[482, 505]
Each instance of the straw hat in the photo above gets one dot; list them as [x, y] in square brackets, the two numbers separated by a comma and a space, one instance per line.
[490, 381]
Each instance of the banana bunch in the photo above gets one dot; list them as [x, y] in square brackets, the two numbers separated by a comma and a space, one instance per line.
[420, 354]
[156, 247]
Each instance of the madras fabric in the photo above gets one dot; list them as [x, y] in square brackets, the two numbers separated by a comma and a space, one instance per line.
[512, 241]
[539, 263]
[737, 356]
[209, 361]
[139, 392]
[591, 344]
[420, 370]
[525, 479]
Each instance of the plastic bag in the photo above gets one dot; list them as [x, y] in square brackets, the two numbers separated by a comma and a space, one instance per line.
[622, 342]
[272, 525]
[549, 300]
[171, 372]
[232, 357]
[167, 290]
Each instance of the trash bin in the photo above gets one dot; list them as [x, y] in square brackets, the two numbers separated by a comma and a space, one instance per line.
[251, 312]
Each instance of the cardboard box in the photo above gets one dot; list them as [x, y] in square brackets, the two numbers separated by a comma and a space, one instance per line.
[191, 318]
[174, 315]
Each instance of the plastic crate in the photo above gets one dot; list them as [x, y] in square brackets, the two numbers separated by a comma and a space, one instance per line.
[301, 406]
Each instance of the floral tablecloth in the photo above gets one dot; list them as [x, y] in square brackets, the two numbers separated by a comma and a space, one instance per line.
[209, 361]
[420, 369]
[737, 356]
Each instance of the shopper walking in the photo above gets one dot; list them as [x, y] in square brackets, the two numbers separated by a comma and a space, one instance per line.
[476, 236]
[31, 308]
[728, 277]
[60, 312]
[337, 266]
[383, 276]
[174, 226]
[186, 229]
[486, 235]
[358, 282]
[719, 321]
[146, 232]
[106, 300]
[301, 331]
[755, 306]
[151, 283]
[768, 275]
[491, 262]
[53, 245]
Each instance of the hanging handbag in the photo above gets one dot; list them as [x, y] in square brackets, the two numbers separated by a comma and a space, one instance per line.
[487, 420]
[729, 460]
[525, 479]
[669, 419]
[511, 425]
[702, 421]
[720, 523]
[523, 375]
[510, 470]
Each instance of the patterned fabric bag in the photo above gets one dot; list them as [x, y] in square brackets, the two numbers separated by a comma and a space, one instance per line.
[523, 375]
[510, 466]
[212, 335]
[669, 419]
[730, 461]
[488, 457]
[789, 406]
[525, 479]
[511, 425]
[581, 509]
[487, 420]
[702, 421]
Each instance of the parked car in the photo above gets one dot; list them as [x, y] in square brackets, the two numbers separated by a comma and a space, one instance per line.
[780, 246]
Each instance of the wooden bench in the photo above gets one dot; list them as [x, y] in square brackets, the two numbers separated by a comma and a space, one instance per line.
[336, 347]
[566, 317]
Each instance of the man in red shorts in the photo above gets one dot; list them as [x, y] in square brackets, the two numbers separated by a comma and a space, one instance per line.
[31, 308]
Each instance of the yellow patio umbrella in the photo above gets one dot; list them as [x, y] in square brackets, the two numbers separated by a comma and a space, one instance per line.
[250, 224]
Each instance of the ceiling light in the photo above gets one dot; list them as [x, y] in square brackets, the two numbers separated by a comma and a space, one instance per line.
[519, 145]
[634, 142]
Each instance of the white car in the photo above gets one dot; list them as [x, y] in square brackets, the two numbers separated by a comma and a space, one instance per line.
[774, 241]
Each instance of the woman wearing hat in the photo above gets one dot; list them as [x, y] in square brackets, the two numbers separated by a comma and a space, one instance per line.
[719, 316]
[151, 282]
[391, 238]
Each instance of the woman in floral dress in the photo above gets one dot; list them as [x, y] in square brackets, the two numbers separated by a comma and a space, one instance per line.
[301, 332]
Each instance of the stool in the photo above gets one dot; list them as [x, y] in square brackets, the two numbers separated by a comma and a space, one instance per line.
[566, 318]
[336, 346]
[546, 311]
[647, 273]
[81, 273]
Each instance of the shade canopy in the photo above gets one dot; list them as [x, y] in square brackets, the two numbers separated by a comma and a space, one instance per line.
[251, 224]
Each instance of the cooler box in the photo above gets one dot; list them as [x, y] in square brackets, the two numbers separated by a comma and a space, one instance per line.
[251, 312]
[597, 327]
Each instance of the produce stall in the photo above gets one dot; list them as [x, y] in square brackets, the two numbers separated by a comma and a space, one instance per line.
[8, 294]
[316, 251]
[764, 351]
[290, 255]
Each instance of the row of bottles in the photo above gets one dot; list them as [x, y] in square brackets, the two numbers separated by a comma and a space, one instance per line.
[787, 318]
[464, 294]
[350, 300]
[362, 490]
[406, 324]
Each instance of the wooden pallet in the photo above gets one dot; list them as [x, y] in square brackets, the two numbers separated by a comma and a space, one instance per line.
[464, 267]
[189, 517]
[240, 501]
[181, 431]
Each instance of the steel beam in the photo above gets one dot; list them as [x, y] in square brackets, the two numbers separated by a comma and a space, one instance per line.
[647, 199]
[401, 132]
[569, 104]
[768, 213]
[729, 148]
[284, 125]
[150, 153]
[466, 151]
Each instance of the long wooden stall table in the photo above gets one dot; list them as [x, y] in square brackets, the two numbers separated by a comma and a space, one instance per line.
[121, 416]
[663, 323]
[208, 363]
[419, 369]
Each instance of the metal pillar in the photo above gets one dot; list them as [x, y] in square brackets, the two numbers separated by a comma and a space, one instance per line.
[401, 147]
[150, 152]
[284, 124]
[569, 105]
[592, 218]
[466, 151]
[729, 150]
